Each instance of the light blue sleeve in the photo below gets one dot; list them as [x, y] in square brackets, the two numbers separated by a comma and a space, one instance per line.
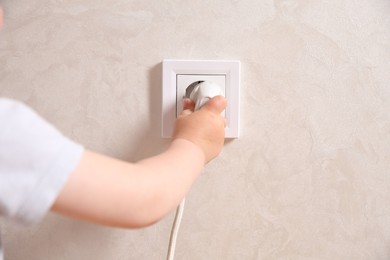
[35, 162]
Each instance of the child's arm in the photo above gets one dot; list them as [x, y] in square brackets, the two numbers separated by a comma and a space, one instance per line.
[118, 193]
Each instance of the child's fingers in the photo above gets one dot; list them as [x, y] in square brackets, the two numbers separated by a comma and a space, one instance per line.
[188, 104]
[216, 104]
[186, 112]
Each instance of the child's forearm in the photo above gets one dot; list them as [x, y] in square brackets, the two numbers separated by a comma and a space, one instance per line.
[117, 193]
[172, 173]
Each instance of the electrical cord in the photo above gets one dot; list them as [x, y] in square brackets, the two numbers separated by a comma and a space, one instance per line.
[175, 230]
[201, 92]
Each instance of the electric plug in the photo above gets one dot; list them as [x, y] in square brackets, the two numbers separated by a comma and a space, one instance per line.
[202, 91]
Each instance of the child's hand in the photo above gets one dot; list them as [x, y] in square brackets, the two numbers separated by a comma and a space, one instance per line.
[204, 128]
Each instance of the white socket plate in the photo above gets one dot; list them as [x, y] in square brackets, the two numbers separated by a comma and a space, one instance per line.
[174, 69]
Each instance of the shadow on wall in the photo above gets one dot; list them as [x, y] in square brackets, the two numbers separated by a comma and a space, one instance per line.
[59, 237]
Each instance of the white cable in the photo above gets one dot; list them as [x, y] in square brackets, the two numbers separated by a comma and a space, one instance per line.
[201, 93]
[175, 230]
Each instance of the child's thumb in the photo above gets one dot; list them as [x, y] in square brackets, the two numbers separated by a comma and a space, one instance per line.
[216, 104]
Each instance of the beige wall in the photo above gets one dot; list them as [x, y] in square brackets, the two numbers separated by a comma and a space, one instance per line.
[308, 179]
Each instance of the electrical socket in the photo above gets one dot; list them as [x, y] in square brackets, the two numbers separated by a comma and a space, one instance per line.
[179, 74]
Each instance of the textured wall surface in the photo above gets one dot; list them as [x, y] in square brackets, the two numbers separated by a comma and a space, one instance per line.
[308, 179]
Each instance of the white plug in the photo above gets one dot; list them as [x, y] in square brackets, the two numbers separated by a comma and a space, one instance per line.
[201, 92]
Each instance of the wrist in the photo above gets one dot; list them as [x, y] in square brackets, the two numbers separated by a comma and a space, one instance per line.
[189, 147]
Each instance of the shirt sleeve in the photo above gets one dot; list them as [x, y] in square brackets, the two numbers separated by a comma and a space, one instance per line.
[35, 162]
